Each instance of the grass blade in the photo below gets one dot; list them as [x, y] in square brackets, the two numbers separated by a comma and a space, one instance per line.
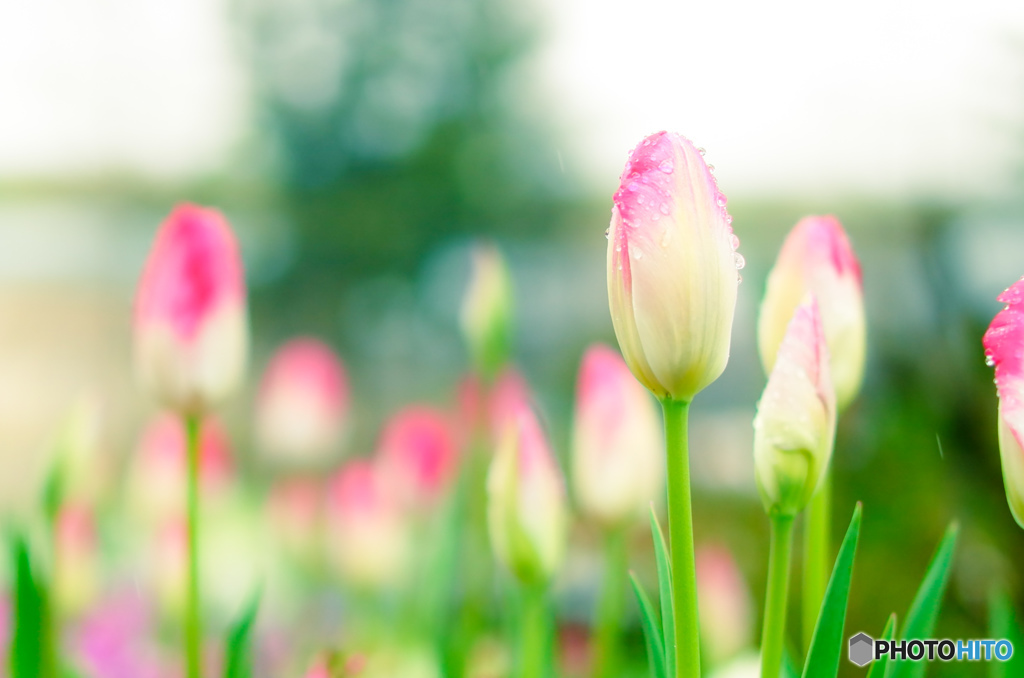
[652, 630]
[878, 667]
[925, 608]
[665, 594]
[827, 642]
[1004, 623]
[238, 645]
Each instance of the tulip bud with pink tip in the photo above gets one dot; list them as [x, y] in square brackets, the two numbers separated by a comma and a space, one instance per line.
[418, 456]
[796, 418]
[191, 335]
[617, 453]
[303, 404]
[727, 611]
[526, 511]
[367, 533]
[672, 279]
[1004, 349]
[76, 575]
[486, 315]
[509, 394]
[817, 258]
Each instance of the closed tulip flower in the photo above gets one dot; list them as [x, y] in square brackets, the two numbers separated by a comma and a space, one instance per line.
[418, 456]
[487, 311]
[796, 417]
[303, 404]
[1004, 349]
[526, 511]
[190, 318]
[672, 277]
[617, 453]
[817, 258]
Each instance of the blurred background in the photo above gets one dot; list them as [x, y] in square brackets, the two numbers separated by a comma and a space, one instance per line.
[360, 148]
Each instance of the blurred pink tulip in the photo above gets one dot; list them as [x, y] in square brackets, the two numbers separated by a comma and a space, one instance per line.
[508, 395]
[672, 279]
[368, 538]
[418, 456]
[817, 258]
[1004, 349]
[617, 453]
[303, 404]
[76, 573]
[726, 608]
[191, 335]
[114, 641]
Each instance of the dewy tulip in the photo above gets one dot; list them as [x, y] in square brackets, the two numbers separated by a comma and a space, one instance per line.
[1004, 349]
[617, 452]
[302, 404]
[526, 511]
[796, 417]
[191, 333]
[817, 258]
[672, 268]
[486, 315]
[418, 456]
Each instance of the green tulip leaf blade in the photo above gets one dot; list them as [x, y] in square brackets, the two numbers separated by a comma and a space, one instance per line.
[665, 594]
[652, 630]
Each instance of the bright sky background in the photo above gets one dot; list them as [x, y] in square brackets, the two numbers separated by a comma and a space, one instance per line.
[879, 97]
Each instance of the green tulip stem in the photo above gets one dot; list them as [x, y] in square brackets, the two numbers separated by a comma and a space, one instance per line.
[193, 632]
[680, 529]
[612, 604]
[816, 557]
[773, 634]
[534, 632]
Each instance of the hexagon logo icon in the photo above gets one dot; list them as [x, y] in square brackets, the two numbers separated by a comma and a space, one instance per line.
[862, 649]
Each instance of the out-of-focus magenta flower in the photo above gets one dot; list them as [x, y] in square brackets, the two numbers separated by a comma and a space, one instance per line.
[191, 335]
[487, 311]
[817, 258]
[159, 473]
[526, 511]
[368, 536]
[727, 617]
[617, 459]
[509, 394]
[303, 404]
[796, 418]
[1004, 349]
[672, 263]
[296, 514]
[76, 577]
[114, 641]
[418, 456]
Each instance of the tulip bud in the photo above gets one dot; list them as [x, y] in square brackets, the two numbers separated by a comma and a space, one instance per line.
[418, 456]
[817, 258]
[509, 394]
[526, 509]
[1004, 349]
[672, 277]
[76, 559]
[617, 461]
[368, 538]
[303, 403]
[190, 318]
[487, 311]
[726, 609]
[796, 417]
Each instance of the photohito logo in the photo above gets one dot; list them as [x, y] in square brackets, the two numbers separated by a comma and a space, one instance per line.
[864, 649]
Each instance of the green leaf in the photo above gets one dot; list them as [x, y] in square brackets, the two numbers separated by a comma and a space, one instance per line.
[668, 620]
[652, 630]
[878, 668]
[925, 608]
[237, 658]
[32, 651]
[1004, 623]
[827, 641]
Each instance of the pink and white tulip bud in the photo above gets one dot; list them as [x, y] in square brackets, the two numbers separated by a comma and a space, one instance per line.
[526, 509]
[726, 608]
[303, 404]
[796, 418]
[76, 579]
[418, 456]
[817, 258]
[486, 315]
[672, 268]
[191, 335]
[508, 396]
[367, 534]
[1004, 349]
[617, 454]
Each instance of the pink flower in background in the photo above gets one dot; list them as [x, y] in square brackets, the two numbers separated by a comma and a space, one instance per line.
[817, 258]
[617, 452]
[508, 395]
[1004, 349]
[303, 404]
[114, 641]
[191, 335]
[672, 279]
[76, 576]
[726, 608]
[417, 455]
[296, 513]
[367, 534]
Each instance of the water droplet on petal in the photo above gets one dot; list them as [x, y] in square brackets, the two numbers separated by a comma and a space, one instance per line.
[739, 278]
[701, 151]
[638, 254]
[990, 361]
[607, 233]
[665, 209]
[738, 260]
[728, 219]
[666, 166]
[666, 236]
[734, 241]
[640, 199]
[721, 201]
[633, 186]
[711, 168]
